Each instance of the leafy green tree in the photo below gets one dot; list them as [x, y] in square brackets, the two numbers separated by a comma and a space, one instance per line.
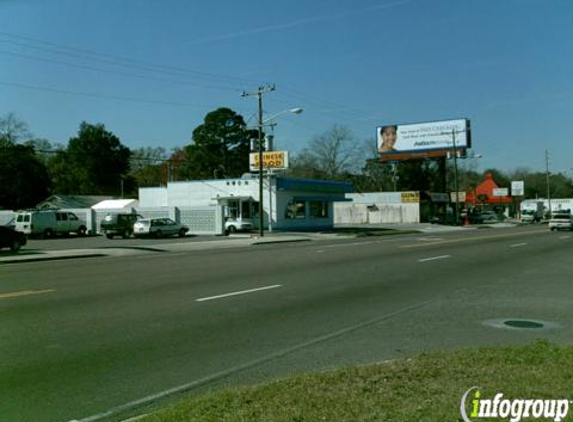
[24, 178]
[95, 162]
[219, 148]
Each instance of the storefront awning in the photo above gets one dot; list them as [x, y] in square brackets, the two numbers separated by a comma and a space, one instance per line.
[224, 200]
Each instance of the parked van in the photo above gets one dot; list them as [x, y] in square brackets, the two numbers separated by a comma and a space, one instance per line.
[49, 223]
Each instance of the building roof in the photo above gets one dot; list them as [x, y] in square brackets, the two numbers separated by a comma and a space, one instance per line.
[486, 188]
[71, 201]
[115, 204]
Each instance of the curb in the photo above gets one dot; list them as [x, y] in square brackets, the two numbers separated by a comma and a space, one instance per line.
[269, 242]
[50, 258]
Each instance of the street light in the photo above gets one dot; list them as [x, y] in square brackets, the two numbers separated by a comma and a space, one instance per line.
[295, 110]
[455, 153]
[262, 123]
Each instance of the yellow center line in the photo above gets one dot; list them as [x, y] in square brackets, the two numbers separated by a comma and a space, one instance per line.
[24, 293]
[468, 239]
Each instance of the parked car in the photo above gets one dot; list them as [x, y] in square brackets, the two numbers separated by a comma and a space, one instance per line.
[158, 227]
[49, 223]
[233, 225]
[10, 238]
[489, 217]
[483, 217]
[561, 221]
[119, 224]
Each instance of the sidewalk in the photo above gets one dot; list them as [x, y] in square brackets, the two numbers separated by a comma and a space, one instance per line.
[33, 255]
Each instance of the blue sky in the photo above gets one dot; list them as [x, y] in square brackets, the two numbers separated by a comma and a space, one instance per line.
[150, 70]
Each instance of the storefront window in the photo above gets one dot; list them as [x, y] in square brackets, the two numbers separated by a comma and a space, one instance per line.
[246, 209]
[232, 210]
[295, 210]
[318, 209]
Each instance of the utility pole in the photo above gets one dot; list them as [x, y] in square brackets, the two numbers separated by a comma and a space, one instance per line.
[547, 179]
[259, 93]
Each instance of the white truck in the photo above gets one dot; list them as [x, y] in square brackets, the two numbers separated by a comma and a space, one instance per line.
[531, 211]
[49, 223]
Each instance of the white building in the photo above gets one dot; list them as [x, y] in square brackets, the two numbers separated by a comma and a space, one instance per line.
[288, 204]
[378, 208]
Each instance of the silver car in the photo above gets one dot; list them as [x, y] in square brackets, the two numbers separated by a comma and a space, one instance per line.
[561, 221]
[158, 227]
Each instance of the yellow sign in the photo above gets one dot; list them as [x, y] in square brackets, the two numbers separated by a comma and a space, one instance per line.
[271, 160]
[409, 197]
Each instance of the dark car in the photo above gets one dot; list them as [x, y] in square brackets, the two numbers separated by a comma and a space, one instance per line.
[119, 225]
[10, 238]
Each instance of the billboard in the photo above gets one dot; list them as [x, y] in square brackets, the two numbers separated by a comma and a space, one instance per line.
[271, 160]
[422, 140]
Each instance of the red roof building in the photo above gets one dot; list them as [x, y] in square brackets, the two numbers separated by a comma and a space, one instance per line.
[486, 188]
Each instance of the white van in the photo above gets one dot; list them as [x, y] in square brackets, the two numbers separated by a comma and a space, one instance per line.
[49, 223]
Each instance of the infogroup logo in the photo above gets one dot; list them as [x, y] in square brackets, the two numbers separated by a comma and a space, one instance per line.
[513, 410]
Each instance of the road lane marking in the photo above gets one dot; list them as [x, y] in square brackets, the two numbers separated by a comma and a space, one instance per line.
[564, 237]
[24, 293]
[242, 292]
[517, 245]
[434, 258]
[465, 239]
[320, 251]
[343, 245]
[250, 364]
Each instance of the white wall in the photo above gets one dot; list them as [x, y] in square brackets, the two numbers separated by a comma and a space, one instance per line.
[153, 197]
[351, 213]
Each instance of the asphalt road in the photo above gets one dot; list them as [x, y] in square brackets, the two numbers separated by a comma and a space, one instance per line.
[79, 338]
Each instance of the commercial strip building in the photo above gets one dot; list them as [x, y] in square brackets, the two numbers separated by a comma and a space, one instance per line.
[288, 203]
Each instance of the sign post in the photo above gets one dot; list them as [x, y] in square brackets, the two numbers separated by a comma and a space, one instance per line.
[518, 190]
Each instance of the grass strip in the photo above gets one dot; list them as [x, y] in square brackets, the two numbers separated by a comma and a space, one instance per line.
[425, 388]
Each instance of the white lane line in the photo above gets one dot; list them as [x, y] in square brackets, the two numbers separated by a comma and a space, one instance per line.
[343, 245]
[434, 258]
[564, 237]
[320, 251]
[430, 239]
[242, 292]
[517, 245]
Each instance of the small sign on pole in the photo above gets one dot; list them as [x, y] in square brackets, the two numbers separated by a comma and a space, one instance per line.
[517, 188]
[461, 197]
[271, 160]
[498, 192]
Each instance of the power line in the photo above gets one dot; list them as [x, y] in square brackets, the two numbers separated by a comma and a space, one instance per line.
[131, 75]
[103, 96]
[118, 60]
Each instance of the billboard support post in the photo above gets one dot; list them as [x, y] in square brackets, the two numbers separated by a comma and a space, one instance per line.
[547, 180]
[456, 208]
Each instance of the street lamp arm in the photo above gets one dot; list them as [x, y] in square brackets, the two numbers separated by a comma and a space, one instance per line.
[296, 110]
